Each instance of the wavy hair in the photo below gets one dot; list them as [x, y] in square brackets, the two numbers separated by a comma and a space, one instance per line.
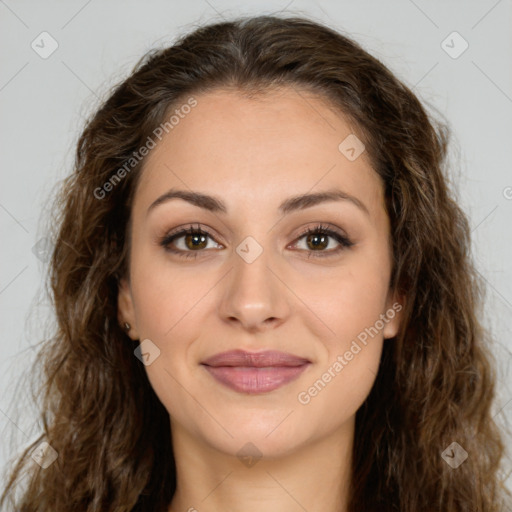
[436, 381]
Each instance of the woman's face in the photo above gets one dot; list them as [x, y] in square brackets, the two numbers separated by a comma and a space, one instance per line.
[252, 280]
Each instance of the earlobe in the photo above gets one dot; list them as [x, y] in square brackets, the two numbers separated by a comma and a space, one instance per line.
[394, 315]
[125, 309]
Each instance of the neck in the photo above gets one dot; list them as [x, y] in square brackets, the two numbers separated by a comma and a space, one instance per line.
[315, 476]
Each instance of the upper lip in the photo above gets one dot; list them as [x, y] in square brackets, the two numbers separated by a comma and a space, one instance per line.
[255, 359]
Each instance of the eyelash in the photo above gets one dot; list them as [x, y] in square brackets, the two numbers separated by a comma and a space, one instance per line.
[319, 229]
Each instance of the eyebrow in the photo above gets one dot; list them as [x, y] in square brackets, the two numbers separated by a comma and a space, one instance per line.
[294, 203]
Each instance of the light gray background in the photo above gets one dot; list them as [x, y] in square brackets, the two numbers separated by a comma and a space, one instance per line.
[44, 103]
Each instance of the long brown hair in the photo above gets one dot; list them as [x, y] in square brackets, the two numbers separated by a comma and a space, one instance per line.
[436, 382]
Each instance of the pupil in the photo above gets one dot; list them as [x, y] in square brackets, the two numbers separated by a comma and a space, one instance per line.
[194, 238]
[316, 237]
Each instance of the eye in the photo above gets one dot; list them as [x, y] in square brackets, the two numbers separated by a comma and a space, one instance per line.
[317, 239]
[195, 240]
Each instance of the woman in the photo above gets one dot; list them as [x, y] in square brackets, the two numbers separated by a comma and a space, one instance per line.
[263, 293]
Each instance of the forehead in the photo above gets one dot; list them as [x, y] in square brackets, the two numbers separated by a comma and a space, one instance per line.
[271, 145]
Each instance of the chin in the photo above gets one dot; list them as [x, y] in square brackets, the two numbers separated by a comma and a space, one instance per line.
[267, 435]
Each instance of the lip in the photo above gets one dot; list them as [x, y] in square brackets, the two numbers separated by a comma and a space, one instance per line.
[255, 359]
[255, 372]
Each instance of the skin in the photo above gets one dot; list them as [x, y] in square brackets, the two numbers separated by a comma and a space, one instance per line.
[253, 153]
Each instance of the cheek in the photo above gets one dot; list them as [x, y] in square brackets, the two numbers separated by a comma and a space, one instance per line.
[348, 301]
[166, 295]
[336, 393]
[336, 304]
[350, 308]
[170, 311]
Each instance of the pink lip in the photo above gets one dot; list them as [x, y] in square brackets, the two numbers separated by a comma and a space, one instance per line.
[252, 373]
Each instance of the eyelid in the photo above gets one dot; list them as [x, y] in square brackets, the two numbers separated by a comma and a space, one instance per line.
[322, 227]
[327, 229]
[181, 231]
[195, 227]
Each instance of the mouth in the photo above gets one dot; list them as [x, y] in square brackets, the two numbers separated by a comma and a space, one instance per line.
[254, 373]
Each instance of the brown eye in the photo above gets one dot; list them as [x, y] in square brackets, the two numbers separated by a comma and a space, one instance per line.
[195, 241]
[318, 239]
[186, 243]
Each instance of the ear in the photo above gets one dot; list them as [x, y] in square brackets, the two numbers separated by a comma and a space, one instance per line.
[125, 309]
[395, 306]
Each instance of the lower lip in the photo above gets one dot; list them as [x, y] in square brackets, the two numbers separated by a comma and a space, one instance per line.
[251, 380]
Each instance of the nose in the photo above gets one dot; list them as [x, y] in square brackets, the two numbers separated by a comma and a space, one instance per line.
[255, 298]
